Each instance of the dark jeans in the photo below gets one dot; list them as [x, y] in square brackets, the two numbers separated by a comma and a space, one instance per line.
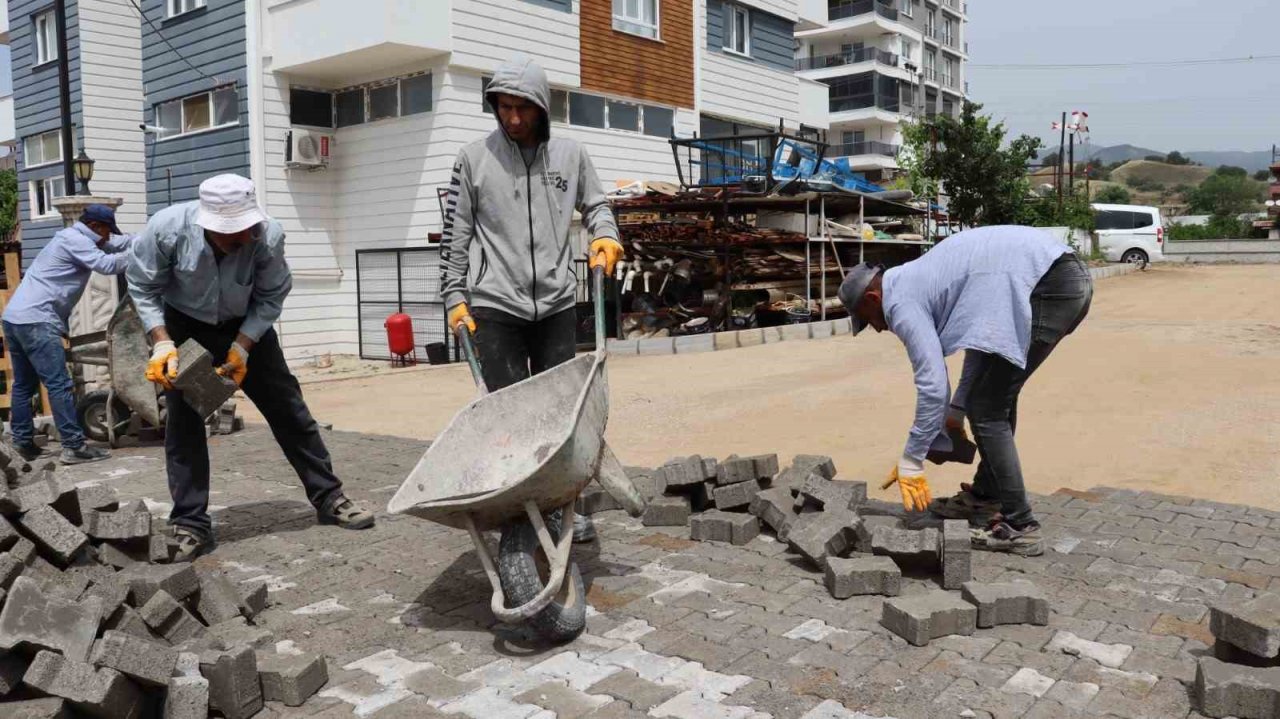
[274, 391]
[512, 349]
[1059, 304]
[36, 355]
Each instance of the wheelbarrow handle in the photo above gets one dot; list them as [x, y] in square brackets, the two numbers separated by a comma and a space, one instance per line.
[597, 279]
[468, 343]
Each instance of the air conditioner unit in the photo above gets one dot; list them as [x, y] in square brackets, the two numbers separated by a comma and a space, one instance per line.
[308, 149]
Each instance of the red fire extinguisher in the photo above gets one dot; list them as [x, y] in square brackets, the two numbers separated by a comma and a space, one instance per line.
[400, 339]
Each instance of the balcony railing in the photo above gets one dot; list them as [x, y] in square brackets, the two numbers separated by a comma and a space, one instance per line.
[842, 10]
[870, 147]
[931, 74]
[853, 57]
[862, 102]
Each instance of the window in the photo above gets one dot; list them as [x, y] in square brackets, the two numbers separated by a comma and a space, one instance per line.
[907, 50]
[310, 107]
[44, 149]
[658, 121]
[906, 7]
[46, 38]
[930, 65]
[43, 193]
[931, 24]
[178, 7]
[586, 110]
[946, 31]
[949, 72]
[624, 116]
[415, 95]
[737, 29]
[197, 113]
[559, 105]
[384, 102]
[638, 17]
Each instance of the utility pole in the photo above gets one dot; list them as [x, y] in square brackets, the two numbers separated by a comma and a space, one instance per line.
[1071, 164]
[1062, 141]
[64, 97]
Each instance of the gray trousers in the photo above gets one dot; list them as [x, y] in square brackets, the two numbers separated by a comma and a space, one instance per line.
[1059, 303]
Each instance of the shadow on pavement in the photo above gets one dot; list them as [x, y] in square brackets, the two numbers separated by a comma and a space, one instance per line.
[254, 519]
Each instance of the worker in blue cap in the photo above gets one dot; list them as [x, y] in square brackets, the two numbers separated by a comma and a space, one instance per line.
[35, 321]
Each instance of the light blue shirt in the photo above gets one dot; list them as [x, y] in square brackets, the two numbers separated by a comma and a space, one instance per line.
[973, 292]
[173, 264]
[56, 279]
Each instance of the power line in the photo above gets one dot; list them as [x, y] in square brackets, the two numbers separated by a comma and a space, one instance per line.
[160, 35]
[1112, 65]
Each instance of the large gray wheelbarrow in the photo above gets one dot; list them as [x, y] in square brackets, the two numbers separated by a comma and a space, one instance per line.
[512, 456]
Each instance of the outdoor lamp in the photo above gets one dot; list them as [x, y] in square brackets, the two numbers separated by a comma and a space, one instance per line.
[83, 166]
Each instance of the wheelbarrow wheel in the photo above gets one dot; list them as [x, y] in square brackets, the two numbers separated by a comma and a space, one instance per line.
[523, 570]
[91, 410]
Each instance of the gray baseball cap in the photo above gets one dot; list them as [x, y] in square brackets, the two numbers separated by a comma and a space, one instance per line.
[854, 287]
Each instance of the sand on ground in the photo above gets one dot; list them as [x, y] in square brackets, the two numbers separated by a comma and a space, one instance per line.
[1172, 384]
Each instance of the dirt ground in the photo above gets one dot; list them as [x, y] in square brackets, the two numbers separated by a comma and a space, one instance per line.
[1171, 385]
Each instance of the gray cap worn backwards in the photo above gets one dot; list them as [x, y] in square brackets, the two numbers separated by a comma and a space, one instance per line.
[854, 287]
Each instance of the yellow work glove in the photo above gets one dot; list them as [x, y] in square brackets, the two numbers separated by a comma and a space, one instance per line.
[236, 364]
[909, 474]
[459, 315]
[162, 368]
[605, 252]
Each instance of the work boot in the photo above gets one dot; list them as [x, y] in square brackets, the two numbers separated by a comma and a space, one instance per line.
[29, 452]
[584, 530]
[965, 505]
[83, 454]
[1000, 536]
[189, 545]
[346, 514]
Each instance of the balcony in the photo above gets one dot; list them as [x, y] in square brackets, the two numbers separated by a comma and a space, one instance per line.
[872, 147]
[842, 10]
[334, 40]
[853, 57]
[869, 101]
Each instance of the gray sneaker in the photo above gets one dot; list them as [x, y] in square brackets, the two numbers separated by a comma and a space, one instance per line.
[584, 530]
[1000, 536]
[346, 514]
[965, 505]
[30, 452]
[189, 545]
[84, 454]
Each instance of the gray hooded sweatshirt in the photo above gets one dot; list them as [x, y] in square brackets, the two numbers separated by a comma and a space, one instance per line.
[506, 242]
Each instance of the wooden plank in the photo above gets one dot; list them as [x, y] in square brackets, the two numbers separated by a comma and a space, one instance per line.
[4, 402]
[12, 270]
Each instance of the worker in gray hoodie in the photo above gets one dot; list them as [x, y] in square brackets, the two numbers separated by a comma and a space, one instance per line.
[507, 253]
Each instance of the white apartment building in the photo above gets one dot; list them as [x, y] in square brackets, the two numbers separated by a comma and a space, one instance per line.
[884, 61]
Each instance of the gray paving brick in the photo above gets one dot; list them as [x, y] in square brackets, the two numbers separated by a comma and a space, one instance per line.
[145, 580]
[290, 679]
[144, 661]
[817, 536]
[59, 539]
[667, 512]
[727, 527]
[169, 619]
[910, 548]
[234, 687]
[737, 495]
[99, 692]
[1254, 626]
[1007, 603]
[926, 616]
[31, 618]
[1231, 690]
[955, 547]
[862, 575]
[202, 388]
[774, 508]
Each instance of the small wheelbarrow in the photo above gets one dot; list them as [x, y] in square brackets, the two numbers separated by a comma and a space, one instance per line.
[512, 456]
[107, 414]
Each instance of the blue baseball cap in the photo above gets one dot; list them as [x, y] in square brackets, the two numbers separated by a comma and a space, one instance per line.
[103, 214]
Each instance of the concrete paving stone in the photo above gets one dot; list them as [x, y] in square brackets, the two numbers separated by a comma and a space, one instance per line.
[202, 388]
[47, 708]
[1072, 695]
[48, 488]
[774, 508]
[627, 686]
[1182, 668]
[719, 526]
[736, 496]
[179, 581]
[927, 616]
[1007, 603]
[970, 647]
[239, 632]
[218, 599]
[1168, 698]
[290, 678]
[734, 469]
[819, 463]
[564, 702]
[956, 549]
[97, 497]
[594, 500]
[712, 655]
[965, 695]
[169, 619]
[982, 673]
[1254, 626]
[128, 523]
[821, 492]
[1163, 645]
[97, 692]
[682, 472]
[253, 598]
[688, 705]
[31, 618]
[689, 344]
[1015, 656]
[777, 703]
[12, 666]
[862, 575]
[1134, 619]
[58, 539]
[868, 526]
[234, 687]
[847, 667]
[1109, 655]
[126, 619]
[617, 710]
[667, 512]
[1134, 684]
[1028, 681]
[8, 535]
[829, 533]
[910, 548]
[147, 662]
[1228, 652]
[11, 567]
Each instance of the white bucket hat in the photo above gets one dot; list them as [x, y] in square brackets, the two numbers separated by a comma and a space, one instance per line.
[228, 204]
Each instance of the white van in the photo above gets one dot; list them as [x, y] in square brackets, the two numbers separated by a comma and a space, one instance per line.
[1129, 233]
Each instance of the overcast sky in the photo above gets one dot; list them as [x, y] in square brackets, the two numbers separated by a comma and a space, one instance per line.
[1211, 107]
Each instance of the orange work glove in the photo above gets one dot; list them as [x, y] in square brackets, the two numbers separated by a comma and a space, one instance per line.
[459, 315]
[605, 252]
[162, 368]
[237, 363]
[909, 474]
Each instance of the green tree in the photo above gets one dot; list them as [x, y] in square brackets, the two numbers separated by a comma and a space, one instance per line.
[986, 183]
[1050, 160]
[1095, 170]
[1226, 195]
[1113, 195]
[1177, 158]
[1231, 171]
[1155, 158]
[8, 202]
[1262, 176]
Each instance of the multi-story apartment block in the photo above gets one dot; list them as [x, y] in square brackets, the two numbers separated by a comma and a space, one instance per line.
[391, 89]
[884, 61]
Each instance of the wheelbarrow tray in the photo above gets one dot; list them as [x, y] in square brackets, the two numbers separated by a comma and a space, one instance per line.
[539, 440]
[127, 354]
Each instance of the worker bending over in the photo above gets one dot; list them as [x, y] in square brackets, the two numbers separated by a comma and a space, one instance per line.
[507, 271]
[1007, 296]
[35, 321]
[214, 270]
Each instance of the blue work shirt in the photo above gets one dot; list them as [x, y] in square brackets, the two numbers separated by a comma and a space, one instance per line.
[173, 264]
[972, 292]
[56, 279]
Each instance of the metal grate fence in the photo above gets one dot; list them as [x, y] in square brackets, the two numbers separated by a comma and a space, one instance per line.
[400, 280]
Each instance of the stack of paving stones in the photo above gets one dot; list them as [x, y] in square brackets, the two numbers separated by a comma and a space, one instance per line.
[95, 620]
[1242, 678]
